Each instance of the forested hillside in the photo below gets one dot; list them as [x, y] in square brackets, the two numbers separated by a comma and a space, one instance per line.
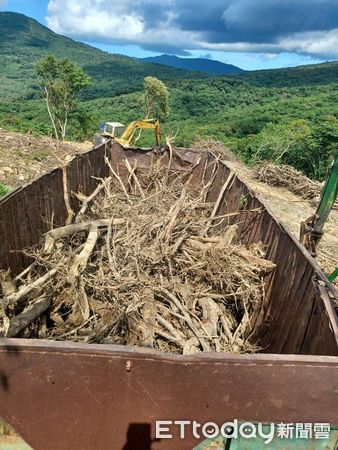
[286, 115]
[310, 75]
[200, 64]
[23, 41]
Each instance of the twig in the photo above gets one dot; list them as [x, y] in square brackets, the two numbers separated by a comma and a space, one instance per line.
[90, 198]
[118, 179]
[133, 174]
[225, 186]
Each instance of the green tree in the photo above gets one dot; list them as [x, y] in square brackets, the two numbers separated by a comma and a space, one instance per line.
[281, 143]
[325, 140]
[60, 81]
[155, 98]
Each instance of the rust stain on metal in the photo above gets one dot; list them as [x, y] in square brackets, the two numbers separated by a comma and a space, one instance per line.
[46, 399]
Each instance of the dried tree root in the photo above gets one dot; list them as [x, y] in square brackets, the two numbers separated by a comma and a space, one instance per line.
[117, 178]
[6, 283]
[173, 214]
[133, 174]
[253, 260]
[143, 265]
[25, 272]
[69, 209]
[31, 313]
[225, 186]
[63, 232]
[191, 346]
[80, 260]
[28, 289]
[90, 198]
[83, 301]
[288, 177]
[175, 335]
[149, 313]
[169, 296]
[211, 315]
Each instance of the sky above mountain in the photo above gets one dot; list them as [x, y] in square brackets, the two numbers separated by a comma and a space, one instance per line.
[251, 34]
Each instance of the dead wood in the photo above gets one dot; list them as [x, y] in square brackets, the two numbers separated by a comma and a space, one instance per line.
[29, 288]
[6, 283]
[225, 186]
[90, 198]
[289, 178]
[66, 196]
[31, 313]
[80, 260]
[143, 265]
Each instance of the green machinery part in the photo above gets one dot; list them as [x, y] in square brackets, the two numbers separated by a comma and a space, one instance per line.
[333, 275]
[328, 198]
[312, 229]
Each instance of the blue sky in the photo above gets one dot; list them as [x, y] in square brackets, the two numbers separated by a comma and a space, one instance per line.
[252, 34]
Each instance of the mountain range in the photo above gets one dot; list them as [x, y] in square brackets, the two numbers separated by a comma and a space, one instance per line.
[23, 41]
[195, 64]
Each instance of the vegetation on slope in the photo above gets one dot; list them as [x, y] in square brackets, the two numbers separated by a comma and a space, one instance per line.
[199, 64]
[23, 41]
[286, 115]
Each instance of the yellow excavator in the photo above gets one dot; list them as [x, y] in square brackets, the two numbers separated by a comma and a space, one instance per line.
[119, 133]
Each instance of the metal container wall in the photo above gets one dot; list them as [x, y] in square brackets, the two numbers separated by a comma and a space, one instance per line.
[68, 396]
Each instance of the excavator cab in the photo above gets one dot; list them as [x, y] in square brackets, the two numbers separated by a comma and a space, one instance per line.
[108, 130]
[119, 133]
[113, 129]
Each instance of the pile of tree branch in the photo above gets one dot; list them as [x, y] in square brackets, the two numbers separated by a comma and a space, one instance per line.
[289, 178]
[142, 264]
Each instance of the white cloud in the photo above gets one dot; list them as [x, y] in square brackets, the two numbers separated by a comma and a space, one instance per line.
[93, 19]
[112, 22]
[270, 56]
[323, 43]
[143, 23]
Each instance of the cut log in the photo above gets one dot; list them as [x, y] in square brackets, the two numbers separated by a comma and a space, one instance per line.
[31, 313]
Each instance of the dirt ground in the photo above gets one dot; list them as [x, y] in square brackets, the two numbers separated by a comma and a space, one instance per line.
[24, 157]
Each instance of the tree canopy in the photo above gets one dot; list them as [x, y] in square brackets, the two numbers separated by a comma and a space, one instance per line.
[155, 98]
[60, 81]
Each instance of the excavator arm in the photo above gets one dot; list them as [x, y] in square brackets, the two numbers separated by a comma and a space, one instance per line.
[127, 136]
[311, 230]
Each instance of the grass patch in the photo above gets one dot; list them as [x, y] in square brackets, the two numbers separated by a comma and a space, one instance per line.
[40, 156]
[4, 190]
[18, 152]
